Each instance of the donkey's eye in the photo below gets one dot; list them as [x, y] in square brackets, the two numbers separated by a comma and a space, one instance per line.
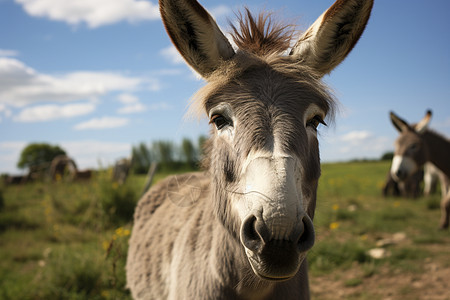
[220, 121]
[414, 147]
[314, 122]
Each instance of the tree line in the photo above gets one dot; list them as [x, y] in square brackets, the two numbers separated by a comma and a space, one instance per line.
[169, 155]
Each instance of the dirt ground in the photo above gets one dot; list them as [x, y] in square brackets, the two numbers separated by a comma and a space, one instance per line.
[432, 283]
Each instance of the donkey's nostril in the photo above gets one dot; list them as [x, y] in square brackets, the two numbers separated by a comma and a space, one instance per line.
[249, 237]
[307, 237]
[400, 174]
[254, 233]
[262, 231]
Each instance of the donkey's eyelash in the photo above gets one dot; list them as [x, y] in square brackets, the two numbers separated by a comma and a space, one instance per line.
[315, 121]
[220, 121]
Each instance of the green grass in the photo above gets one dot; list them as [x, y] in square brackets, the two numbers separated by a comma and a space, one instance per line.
[69, 240]
[352, 214]
[66, 240]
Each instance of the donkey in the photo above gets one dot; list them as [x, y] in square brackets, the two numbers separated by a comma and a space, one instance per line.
[409, 188]
[242, 228]
[430, 179]
[416, 146]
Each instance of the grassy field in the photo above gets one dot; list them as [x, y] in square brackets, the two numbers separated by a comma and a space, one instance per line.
[69, 240]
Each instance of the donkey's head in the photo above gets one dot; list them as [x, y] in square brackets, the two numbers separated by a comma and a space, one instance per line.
[410, 153]
[264, 109]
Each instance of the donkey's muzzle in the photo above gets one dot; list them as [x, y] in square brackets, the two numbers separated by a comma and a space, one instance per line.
[276, 259]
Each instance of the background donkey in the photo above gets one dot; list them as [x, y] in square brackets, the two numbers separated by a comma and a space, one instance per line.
[242, 229]
[417, 145]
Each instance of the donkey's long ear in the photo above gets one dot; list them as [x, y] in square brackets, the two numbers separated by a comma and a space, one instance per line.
[423, 124]
[333, 35]
[400, 124]
[195, 34]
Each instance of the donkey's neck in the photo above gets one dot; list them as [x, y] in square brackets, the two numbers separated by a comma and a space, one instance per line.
[438, 151]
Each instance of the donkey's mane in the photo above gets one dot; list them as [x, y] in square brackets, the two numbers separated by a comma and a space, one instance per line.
[261, 35]
[437, 135]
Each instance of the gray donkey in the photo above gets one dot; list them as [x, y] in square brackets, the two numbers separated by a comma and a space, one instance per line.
[242, 228]
[417, 145]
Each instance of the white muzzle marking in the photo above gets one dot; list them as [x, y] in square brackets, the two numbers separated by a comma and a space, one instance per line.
[271, 193]
[404, 164]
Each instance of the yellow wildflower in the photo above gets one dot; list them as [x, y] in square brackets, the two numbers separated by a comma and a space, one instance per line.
[334, 225]
[335, 207]
[119, 231]
[122, 232]
[105, 245]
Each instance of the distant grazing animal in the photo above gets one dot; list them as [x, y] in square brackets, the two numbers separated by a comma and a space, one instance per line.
[391, 187]
[416, 146]
[409, 188]
[242, 229]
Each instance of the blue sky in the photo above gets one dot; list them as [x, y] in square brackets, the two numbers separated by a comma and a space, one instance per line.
[98, 76]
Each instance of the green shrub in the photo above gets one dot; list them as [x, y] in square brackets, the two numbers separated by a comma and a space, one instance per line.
[68, 273]
[88, 273]
[118, 202]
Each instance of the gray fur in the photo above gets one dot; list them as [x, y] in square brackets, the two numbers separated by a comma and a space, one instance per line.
[186, 241]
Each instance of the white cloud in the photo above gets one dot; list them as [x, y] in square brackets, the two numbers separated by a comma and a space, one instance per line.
[160, 106]
[14, 73]
[127, 98]
[4, 111]
[172, 55]
[131, 104]
[356, 137]
[93, 13]
[102, 123]
[21, 85]
[220, 11]
[9, 155]
[54, 112]
[354, 144]
[8, 146]
[132, 108]
[91, 147]
[6, 52]
[95, 154]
